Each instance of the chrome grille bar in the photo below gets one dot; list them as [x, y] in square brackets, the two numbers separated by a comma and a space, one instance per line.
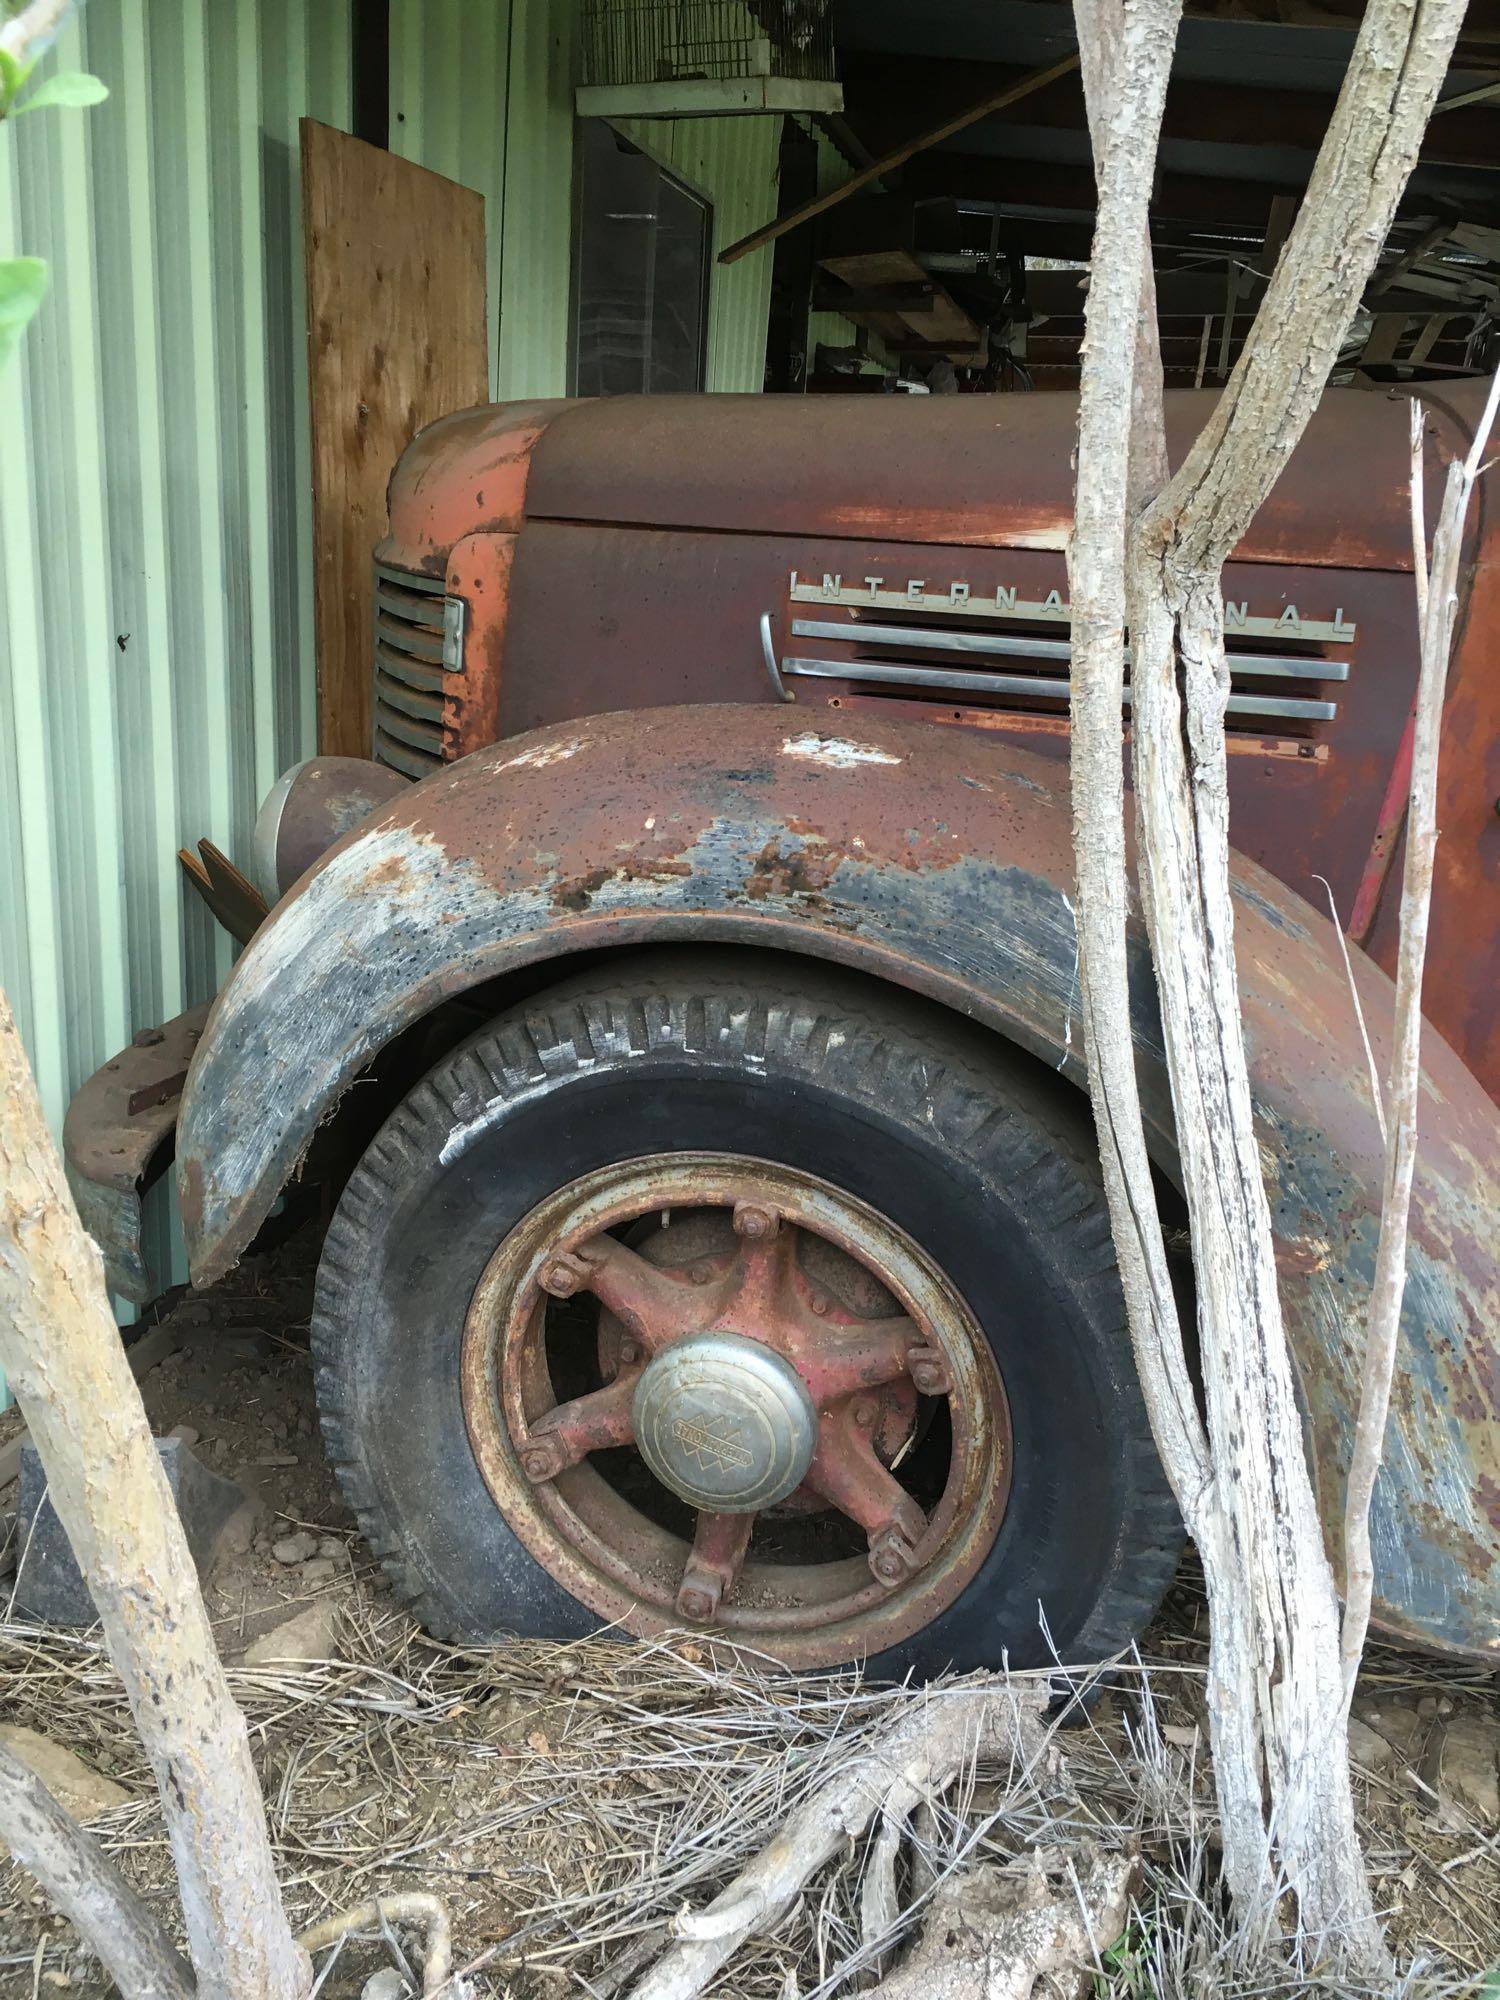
[1274, 666]
[909, 674]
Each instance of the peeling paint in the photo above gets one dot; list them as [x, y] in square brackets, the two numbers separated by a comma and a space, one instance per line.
[835, 751]
[476, 874]
[539, 756]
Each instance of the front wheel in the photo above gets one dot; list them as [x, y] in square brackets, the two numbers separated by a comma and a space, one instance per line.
[719, 1290]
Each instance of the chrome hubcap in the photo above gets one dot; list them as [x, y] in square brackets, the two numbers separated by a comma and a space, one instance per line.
[725, 1423]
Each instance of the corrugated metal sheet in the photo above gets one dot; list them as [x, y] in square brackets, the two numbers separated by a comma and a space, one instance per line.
[155, 583]
[733, 162]
[537, 253]
[482, 90]
[155, 600]
[830, 329]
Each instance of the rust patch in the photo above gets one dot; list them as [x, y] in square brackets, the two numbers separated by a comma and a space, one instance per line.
[576, 895]
[803, 871]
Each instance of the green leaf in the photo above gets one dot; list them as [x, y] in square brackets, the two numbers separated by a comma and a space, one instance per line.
[23, 285]
[71, 88]
[12, 76]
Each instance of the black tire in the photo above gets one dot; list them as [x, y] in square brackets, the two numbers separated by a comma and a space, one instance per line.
[971, 1150]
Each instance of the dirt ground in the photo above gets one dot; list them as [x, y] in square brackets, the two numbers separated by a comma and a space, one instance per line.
[559, 1798]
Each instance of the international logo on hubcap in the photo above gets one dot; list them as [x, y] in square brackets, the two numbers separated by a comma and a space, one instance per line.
[714, 1442]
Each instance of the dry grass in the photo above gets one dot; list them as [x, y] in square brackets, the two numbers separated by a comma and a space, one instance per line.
[567, 1800]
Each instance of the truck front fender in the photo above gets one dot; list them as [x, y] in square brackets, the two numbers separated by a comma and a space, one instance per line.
[931, 858]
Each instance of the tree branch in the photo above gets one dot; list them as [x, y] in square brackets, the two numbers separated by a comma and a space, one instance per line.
[1400, 58]
[82, 1882]
[62, 1352]
[918, 1759]
[27, 36]
[1438, 600]
[1125, 61]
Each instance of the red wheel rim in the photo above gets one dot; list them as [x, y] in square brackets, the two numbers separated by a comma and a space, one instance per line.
[805, 1271]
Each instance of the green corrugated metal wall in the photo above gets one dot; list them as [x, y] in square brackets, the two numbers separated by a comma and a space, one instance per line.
[155, 583]
[155, 594]
[830, 328]
[733, 162]
[482, 90]
[155, 626]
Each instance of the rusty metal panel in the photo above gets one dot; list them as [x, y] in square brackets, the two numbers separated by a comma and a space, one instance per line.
[984, 471]
[674, 616]
[117, 1142]
[942, 861]
[464, 475]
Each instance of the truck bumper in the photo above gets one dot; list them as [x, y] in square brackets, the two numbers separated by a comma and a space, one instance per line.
[119, 1137]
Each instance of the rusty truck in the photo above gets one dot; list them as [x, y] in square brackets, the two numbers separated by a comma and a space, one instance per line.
[716, 1234]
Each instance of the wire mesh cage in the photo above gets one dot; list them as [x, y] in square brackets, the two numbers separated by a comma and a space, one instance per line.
[677, 41]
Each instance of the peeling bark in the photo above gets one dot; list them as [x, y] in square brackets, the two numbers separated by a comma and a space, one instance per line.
[1038, 1927]
[1437, 609]
[1150, 555]
[62, 1352]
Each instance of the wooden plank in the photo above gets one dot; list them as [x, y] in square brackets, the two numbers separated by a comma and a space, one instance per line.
[395, 339]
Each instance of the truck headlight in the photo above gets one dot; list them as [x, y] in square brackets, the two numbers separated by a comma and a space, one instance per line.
[310, 807]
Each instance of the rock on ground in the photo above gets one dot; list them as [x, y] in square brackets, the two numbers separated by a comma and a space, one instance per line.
[1461, 1766]
[306, 1636]
[77, 1787]
[387, 1984]
[295, 1548]
[1368, 1748]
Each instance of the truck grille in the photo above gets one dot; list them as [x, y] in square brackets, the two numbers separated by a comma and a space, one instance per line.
[1013, 657]
[419, 638]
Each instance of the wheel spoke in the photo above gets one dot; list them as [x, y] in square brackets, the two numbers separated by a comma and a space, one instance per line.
[846, 1472]
[570, 1432]
[762, 1267]
[864, 1355]
[653, 1307]
[713, 1565]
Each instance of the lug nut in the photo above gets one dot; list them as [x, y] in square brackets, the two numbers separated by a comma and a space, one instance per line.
[700, 1274]
[542, 1460]
[818, 1304]
[864, 1414]
[696, 1604]
[929, 1371]
[892, 1557]
[562, 1275]
[629, 1354]
[758, 1223]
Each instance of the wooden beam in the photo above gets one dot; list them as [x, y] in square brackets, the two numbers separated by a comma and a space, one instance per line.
[1485, 94]
[873, 299]
[1046, 185]
[898, 156]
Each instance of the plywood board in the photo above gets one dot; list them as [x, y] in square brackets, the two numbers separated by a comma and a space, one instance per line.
[395, 339]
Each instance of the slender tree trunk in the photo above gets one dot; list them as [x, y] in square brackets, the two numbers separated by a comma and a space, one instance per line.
[1437, 608]
[1151, 554]
[62, 1352]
